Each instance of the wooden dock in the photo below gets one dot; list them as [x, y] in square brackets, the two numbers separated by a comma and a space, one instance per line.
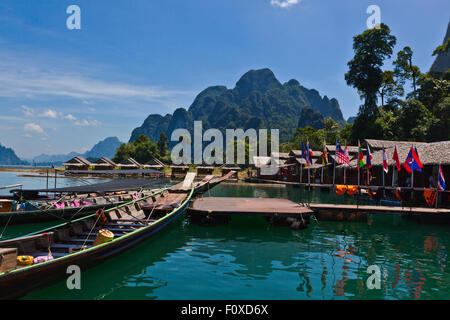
[276, 211]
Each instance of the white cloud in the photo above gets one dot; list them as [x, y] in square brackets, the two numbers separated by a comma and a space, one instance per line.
[85, 123]
[34, 128]
[70, 117]
[50, 114]
[284, 3]
[26, 76]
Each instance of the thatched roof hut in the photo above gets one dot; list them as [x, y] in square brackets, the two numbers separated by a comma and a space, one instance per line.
[77, 163]
[433, 153]
[104, 164]
[378, 144]
[155, 164]
[128, 164]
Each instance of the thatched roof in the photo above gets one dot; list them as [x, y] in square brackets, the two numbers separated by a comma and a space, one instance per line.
[298, 153]
[378, 144]
[105, 162]
[77, 161]
[429, 153]
[331, 148]
[154, 163]
[261, 161]
[280, 155]
[130, 163]
[179, 166]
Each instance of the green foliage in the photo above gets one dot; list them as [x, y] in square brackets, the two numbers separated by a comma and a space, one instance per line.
[404, 69]
[423, 116]
[371, 48]
[442, 49]
[390, 88]
[142, 149]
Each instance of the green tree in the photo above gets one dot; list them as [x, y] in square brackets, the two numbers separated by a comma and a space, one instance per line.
[371, 48]
[389, 89]
[162, 144]
[125, 151]
[404, 68]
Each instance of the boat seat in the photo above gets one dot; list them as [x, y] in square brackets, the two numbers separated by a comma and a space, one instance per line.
[125, 220]
[119, 230]
[124, 225]
[81, 240]
[65, 246]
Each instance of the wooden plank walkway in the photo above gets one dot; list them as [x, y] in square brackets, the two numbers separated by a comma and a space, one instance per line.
[248, 207]
[376, 209]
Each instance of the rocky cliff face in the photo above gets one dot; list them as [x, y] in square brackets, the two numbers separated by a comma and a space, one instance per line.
[442, 62]
[9, 157]
[258, 100]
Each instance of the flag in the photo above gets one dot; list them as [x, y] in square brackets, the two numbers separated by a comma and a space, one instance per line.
[396, 159]
[441, 180]
[412, 162]
[324, 154]
[368, 157]
[385, 161]
[360, 156]
[341, 157]
[305, 155]
[310, 152]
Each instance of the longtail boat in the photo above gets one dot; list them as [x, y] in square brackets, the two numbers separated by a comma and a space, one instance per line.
[74, 202]
[76, 243]
[89, 240]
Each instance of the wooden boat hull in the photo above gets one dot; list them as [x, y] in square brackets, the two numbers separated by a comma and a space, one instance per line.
[20, 282]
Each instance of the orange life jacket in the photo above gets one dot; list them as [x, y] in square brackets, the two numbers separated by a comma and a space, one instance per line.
[340, 189]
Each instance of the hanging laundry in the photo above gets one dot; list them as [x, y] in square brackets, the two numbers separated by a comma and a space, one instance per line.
[430, 196]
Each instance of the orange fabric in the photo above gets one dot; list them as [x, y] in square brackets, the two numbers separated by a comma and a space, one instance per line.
[430, 196]
[101, 214]
[352, 190]
[340, 189]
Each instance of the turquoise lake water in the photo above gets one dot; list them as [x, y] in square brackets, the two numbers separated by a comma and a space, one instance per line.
[249, 259]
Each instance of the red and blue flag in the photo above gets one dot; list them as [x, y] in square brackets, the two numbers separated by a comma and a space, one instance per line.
[412, 162]
[441, 180]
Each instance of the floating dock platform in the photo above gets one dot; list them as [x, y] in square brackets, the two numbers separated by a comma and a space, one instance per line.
[211, 210]
[352, 212]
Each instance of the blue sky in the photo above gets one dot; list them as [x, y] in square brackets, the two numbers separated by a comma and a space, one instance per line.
[64, 90]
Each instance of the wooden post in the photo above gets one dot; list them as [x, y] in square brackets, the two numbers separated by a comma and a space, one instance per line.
[301, 173]
[334, 169]
[47, 181]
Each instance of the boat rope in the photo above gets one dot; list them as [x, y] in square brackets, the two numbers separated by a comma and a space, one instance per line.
[151, 212]
[90, 231]
[6, 225]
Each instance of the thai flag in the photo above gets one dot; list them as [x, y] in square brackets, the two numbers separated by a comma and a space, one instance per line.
[385, 161]
[310, 153]
[412, 162]
[441, 180]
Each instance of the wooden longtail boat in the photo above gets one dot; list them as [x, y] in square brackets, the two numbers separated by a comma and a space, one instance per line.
[130, 223]
[75, 202]
[72, 243]
[47, 211]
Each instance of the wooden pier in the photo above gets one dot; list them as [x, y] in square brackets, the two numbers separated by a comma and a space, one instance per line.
[276, 211]
[352, 212]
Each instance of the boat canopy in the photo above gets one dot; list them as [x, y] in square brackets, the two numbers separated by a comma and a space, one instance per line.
[110, 186]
